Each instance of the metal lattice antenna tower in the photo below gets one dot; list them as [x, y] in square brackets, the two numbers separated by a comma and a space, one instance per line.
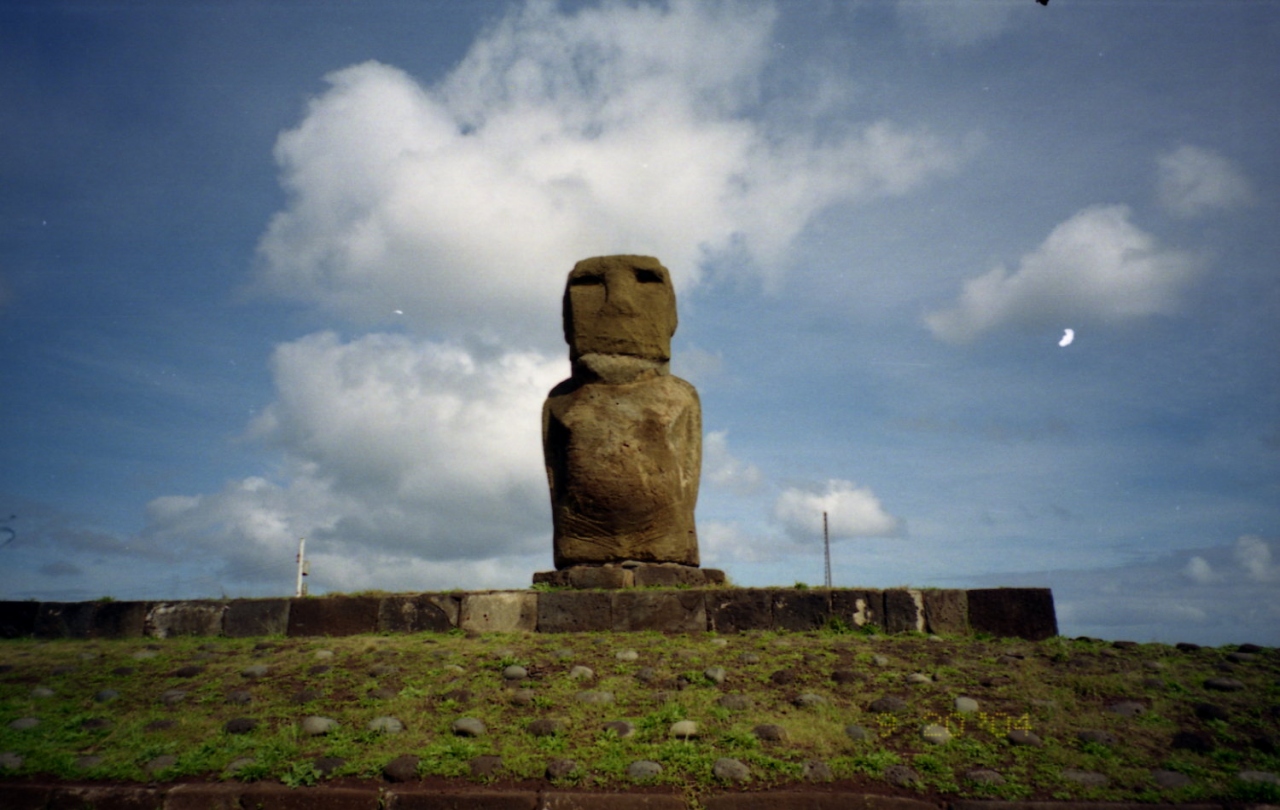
[826, 548]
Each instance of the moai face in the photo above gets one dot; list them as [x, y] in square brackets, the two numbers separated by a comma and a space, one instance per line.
[620, 305]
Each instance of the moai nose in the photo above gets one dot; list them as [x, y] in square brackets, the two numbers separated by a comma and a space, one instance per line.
[620, 293]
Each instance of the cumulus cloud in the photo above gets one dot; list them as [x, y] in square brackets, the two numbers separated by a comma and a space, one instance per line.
[1096, 266]
[722, 469]
[1199, 571]
[852, 511]
[395, 449]
[617, 129]
[1254, 556]
[1192, 181]
[958, 24]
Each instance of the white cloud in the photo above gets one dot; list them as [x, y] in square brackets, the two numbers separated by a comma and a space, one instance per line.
[559, 136]
[853, 511]
[395, 450]
[1192, 181]
[721, 468]
[1096, 266]
[1199, 571]
[1254, 555]
[958, 23]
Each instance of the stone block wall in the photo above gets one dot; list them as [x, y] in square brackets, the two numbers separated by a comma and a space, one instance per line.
[1003, 612]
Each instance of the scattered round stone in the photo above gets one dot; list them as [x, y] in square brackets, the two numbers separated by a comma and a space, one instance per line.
[715, 674]
[523, 697]
[240, 725]
[515, 672]
[382, 670]
[306, 696]
[459, 696]
[936, 734]
[386, 724]
[857, 733]
[1241, 657]
[684, 730]
[1195, 741]
[736, 703]
[455, 669]
[887, 705]
[581, 673]
[901, 775]
[1250, 648]
[1126, 708]
[327, 765]
[42, 692]
[319, 669]
[88, 762]
[1210, 711]
[189, 671]
[170, 697]
[919, 677]
[239, 697]
[1223, 685]
[561, 768]
[594, 698]
[1170, 780]
[161, 763]
[984, 776]
[546, 727]
[728, 769]
[1021, 736]
[1086, 778]
[160, 725]
[1098, 736]
[815, 770]
[505, 652]
[621, 728]
[485, 766]
[783, 677]
[563, 655]
[254, 672]
[386, 693]
[845, 676]
[316, 725]
[95, 723]
[808, 700]
[879, 661]
[237, 765]
[10, 761]
[144, 655]
[24, 723]
[749, 658]
[719, 642]
[1263, 777]
[401, 769]
[769, 732]
[1186, 646]
[106, 695]
[469, 727]
[627, 655]
[323, 655]
[643, 769]
[966, 705]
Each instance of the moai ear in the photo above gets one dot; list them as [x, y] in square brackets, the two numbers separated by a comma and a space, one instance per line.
[622, 305]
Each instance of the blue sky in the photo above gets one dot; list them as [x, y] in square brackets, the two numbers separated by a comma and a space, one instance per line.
[269, 271]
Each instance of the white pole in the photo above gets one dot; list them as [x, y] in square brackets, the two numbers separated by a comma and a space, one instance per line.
[302, 566]
[826, 549]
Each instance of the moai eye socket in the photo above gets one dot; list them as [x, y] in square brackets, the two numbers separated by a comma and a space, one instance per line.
[644, 276]
[583, 281]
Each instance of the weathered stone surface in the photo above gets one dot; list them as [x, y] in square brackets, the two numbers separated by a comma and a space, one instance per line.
[904, 611]
[672, 575]
[800, 610]
[946, 611]
[789, 800]
[612, 801]
[600, 576]
[733, 611]
[499, 612]
[169, 619]
[278, 797]
[105, 797]
[622, 438]
[858, 608]
[18, 619]
[333, 616]
[416, 613]
[249, 618]
[1013, 612]
[665, 611]
[575, 611]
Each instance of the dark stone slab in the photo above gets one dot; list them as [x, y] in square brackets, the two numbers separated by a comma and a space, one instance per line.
[946, 612]
[903, 611]
[812, 801]
[650, 575]
[419, 799]
[599, 576]
[665, 611]
[120, 620]
[556, 579]
[858, 608]
[611, 801]
[106, 797]
[249, 618]
[1013, 613]
[1033, 805]
[333, 616]
[575, 611]
[18, 619]
[196, 796]
[264, 796]
[24, 797]
[168, 619]
[65, 619]
[732, 611]
[414, 613]
[800, 610]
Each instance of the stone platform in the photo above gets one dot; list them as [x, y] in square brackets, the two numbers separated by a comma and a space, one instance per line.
[631, 574]
[1001, 612]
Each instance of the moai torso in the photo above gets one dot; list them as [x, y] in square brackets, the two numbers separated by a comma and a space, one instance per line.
[622, 438]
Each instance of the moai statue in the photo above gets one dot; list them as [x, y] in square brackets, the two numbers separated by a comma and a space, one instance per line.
[622, 438]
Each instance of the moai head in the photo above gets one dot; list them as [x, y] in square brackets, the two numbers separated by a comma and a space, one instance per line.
[620, 305]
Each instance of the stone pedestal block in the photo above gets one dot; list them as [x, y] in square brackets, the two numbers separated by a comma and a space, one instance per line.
[415, 613]
[499, 612]
[333, 616]
[247, 618]
[64, 619]
[736, 610]
[801, 610]
[631, 574]
[120, 620]
[946, 612]
[1013, 613]
[18, 619]
[575, 612]
[858, 608]
[903, 611]
[169, 619]
[664, 611]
